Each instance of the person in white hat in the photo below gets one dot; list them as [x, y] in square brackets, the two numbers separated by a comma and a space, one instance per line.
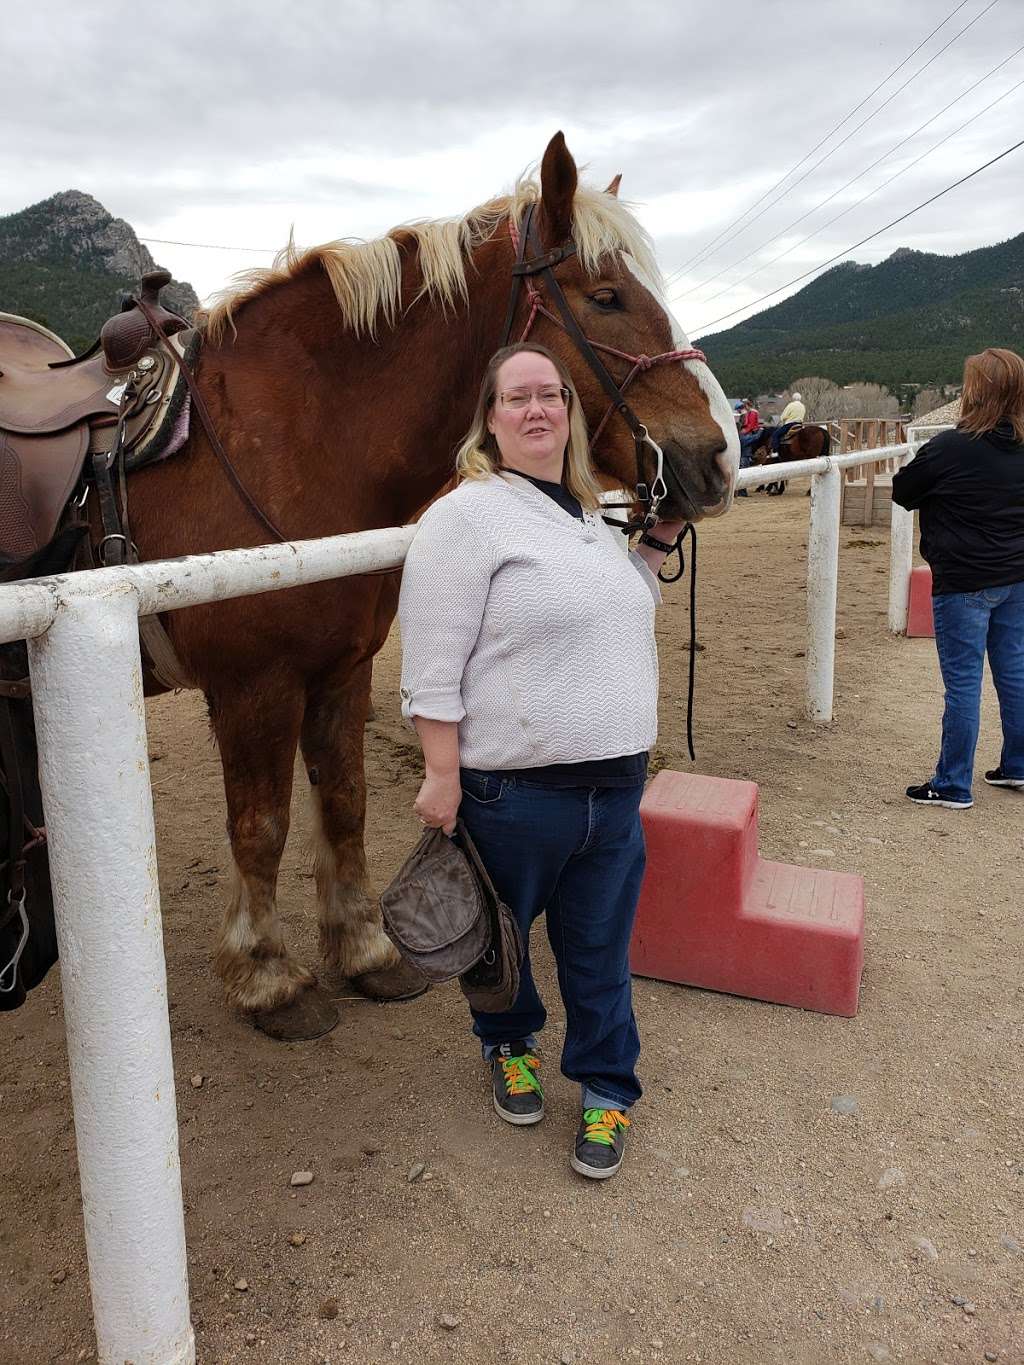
[794, 411]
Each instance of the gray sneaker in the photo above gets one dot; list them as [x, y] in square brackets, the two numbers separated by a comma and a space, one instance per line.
[518, 1096]
[600, 1143]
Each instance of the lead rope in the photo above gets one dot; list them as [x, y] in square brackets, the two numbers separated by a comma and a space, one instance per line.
[691, 531]
[639, 363]
[200, 407]
[199, 404]
[14, 868]
[648, 494]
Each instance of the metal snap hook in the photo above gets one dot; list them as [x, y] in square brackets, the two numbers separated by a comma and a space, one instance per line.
[659, 488]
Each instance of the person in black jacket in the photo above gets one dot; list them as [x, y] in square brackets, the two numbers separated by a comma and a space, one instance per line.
[969, 486]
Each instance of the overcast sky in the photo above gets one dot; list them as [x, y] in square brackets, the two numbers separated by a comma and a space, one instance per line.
[228, 123]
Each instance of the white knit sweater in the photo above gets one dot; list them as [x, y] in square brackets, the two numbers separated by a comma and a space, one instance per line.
[530, 628]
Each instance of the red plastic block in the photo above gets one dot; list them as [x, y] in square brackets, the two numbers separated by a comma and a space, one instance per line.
[714, 914]
[919, 609]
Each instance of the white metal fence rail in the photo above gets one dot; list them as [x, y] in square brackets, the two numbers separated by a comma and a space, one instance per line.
[83, 641]
[823, 557]
[83, 644]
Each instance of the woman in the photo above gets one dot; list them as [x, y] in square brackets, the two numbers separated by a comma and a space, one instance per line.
[750, 429]
[530, 672]
[969, 486]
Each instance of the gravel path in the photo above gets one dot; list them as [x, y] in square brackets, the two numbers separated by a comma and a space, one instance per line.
[799, 1188]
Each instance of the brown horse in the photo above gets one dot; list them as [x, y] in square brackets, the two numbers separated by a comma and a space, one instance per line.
[802, 442]
[340, 382]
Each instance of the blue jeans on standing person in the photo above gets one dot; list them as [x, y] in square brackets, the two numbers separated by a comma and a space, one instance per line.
[578, 853]
[966, 624]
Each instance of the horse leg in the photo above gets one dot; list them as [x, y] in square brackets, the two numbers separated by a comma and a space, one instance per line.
[257, 727]
[352, 938]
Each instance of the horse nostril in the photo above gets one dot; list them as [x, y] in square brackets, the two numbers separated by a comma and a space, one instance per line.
[693, 472]
[724, 463]
[710, 464]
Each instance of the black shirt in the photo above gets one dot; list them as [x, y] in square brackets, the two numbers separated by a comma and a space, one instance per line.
[626, 770]
[970, 491]
[556, 492]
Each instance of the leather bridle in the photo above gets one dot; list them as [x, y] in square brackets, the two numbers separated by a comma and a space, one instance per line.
[541, 263]
[648, 494]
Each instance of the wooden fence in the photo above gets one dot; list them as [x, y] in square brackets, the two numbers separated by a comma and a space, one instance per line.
[866, 433]
[867, 492]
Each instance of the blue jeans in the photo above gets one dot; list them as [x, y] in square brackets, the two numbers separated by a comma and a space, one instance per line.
[966, 624]
[578, 853]
[777, 435]
[746, 453]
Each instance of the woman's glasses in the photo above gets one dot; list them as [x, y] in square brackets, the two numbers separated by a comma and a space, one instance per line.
[517, 399]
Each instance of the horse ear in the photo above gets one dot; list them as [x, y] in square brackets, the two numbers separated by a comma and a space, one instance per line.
[613, 188]
[558, 181]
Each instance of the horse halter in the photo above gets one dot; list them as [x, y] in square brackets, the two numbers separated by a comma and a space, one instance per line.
[649, 495]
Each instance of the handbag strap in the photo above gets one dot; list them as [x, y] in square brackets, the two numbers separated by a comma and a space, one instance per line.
[476, 863]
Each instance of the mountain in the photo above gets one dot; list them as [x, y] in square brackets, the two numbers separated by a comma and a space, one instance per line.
[66, 261]
[911, 319]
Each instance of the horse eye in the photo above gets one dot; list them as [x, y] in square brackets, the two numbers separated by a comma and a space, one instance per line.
[606, 298]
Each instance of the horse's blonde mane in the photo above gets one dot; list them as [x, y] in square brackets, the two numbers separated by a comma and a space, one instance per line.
[367, 276]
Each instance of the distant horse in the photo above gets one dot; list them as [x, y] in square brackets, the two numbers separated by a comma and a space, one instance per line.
[800, 442]
[340, 382]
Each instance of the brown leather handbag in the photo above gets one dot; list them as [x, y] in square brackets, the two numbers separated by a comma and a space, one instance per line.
[443, 915]
[492, 983]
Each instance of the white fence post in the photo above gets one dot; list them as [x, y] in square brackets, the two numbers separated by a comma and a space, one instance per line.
[94, 770]
[822, 586]
[901, 556]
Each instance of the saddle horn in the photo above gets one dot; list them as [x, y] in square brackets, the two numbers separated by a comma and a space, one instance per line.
[128, 334]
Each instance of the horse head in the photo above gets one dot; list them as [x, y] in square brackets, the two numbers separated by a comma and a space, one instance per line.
[613, 288]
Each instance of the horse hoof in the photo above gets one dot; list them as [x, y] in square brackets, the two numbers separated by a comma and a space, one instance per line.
[310, 1015]
[401, 982]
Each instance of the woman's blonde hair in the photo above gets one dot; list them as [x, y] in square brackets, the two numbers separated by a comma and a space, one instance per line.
[478, 456]
[993, 392]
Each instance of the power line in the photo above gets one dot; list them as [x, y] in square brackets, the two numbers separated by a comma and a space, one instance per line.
[213, 246]
[864, 198]
[859, 176]
[843, 120]
[870, 237]
[706, 250]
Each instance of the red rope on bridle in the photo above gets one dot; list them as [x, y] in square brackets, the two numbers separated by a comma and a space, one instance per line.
[647, 493]
[640, 363]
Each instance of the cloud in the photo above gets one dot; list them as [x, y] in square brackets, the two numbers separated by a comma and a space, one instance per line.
[230, 123]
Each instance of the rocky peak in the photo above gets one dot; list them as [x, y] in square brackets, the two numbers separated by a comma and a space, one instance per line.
[74, 228]
[904, 253]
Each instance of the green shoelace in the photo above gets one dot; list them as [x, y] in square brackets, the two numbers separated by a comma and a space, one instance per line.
[518, 1073]
[603, 1125]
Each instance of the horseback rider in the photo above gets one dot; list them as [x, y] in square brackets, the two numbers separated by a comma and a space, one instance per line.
[794, 411]
[750, 429]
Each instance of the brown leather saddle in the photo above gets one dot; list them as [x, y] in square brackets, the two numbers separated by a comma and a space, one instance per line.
[58, 410]
[70, 425]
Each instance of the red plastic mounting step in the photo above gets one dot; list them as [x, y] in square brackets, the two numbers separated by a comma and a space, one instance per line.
[714, 913]
[919, 608]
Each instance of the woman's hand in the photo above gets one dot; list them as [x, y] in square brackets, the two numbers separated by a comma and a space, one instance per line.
[438, 801]
[441, 794]
[669, 531]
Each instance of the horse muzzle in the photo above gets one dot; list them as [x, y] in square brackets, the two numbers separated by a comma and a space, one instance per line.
[700, 483]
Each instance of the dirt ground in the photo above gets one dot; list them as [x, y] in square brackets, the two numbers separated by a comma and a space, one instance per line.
[752, 1222]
